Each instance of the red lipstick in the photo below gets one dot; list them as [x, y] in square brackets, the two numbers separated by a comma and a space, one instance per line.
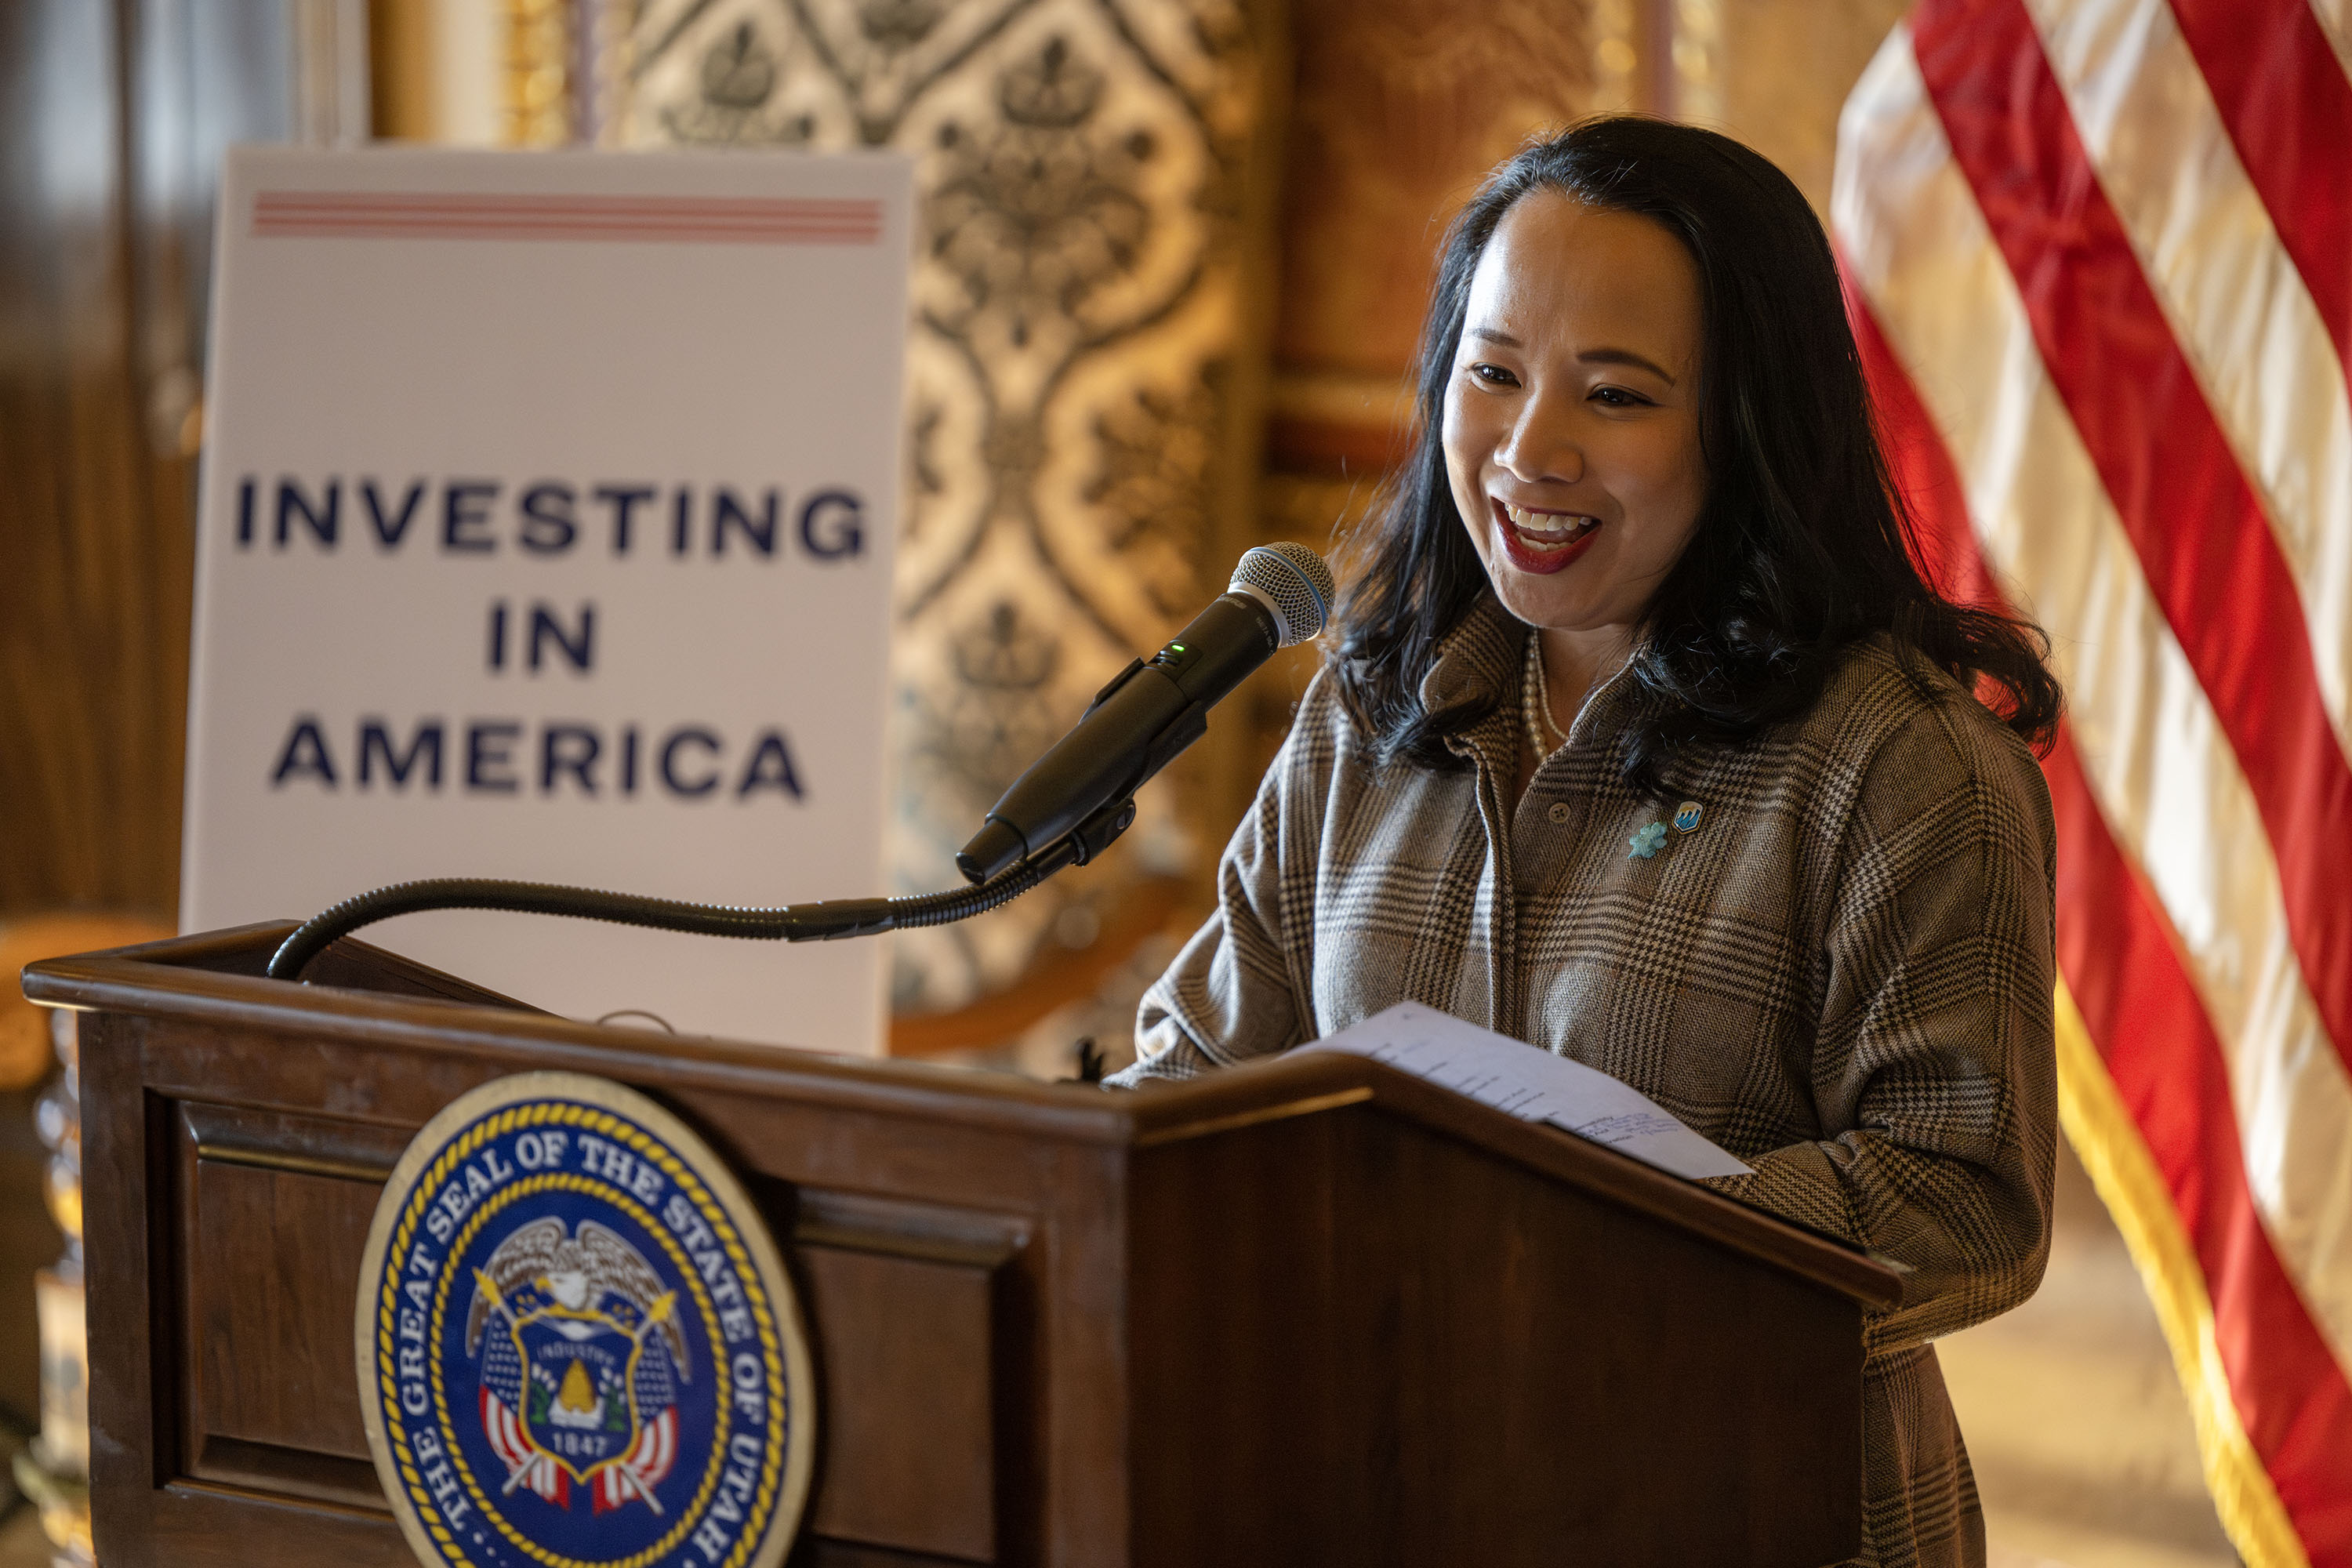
[1526, 557]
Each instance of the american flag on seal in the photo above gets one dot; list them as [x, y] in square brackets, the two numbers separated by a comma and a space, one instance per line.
[632, 1477]
[2099, 259]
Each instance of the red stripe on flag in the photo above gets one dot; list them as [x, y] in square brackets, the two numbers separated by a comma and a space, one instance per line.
[2201, 533]
[2117, 951]
[2283, 95]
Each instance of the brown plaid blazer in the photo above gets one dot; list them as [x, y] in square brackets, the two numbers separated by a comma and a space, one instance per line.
[1844, 974]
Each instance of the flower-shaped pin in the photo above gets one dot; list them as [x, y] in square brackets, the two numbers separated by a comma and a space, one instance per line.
[1648, 841]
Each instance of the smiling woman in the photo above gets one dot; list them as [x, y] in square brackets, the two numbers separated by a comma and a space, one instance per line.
[1690, 330]
[1572, 429]
[1647, 742]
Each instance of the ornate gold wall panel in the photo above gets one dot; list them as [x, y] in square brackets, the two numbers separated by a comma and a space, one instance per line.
[1077, 402]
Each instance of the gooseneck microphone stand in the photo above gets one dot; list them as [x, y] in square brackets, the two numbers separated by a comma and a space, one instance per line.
[826, 921]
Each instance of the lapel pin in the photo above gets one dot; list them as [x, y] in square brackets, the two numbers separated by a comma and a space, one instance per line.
[1646, 841]
[1686, 817]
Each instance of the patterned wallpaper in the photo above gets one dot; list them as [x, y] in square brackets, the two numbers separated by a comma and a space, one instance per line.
[1072, 406]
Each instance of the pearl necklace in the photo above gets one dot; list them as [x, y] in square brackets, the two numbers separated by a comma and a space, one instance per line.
[1535, 702]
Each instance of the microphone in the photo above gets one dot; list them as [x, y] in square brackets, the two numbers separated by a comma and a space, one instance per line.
[1280, 595]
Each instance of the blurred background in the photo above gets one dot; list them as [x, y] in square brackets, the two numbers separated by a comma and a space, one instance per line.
[1172, 266]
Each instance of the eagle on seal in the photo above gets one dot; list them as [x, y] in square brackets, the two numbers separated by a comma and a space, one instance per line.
[575, 1271]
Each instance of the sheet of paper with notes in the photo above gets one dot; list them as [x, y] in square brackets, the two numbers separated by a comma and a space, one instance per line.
[1531, 1084]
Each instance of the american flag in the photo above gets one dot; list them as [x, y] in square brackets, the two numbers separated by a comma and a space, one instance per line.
[2099, 260]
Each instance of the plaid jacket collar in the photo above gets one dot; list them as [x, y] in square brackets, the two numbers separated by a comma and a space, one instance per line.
[1481, 661]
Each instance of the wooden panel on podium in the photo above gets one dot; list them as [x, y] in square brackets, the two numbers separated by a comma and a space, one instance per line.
[1308, 1311]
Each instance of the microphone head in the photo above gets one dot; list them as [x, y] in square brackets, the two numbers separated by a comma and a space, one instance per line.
[1292, 582]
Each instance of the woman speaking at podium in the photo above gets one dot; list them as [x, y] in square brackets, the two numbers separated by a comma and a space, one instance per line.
[1646, 743]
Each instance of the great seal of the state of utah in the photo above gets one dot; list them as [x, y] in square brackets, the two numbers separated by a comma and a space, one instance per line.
[577, 1345]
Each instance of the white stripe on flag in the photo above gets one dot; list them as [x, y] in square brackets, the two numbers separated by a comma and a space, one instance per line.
[2167, 780]
[2237, 306]
[2336, 21]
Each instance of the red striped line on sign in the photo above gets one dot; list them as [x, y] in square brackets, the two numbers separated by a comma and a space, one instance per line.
[574, 206]
[553, 231]
[2204, 544]
[2283, 95]
[2123, 964]
[401, 215]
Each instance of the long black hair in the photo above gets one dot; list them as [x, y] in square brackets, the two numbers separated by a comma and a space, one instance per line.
[1802, 545]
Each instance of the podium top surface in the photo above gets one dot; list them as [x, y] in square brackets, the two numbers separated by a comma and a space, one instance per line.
[367, 996]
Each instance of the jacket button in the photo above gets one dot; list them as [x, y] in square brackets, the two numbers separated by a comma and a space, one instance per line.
[1558, 812]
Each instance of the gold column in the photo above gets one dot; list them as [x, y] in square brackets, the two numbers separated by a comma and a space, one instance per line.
[400, 69]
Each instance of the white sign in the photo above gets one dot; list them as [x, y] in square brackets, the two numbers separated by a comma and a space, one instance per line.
[546, 533]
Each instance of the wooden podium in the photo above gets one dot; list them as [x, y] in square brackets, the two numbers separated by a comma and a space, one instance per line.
[1308, 1312]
